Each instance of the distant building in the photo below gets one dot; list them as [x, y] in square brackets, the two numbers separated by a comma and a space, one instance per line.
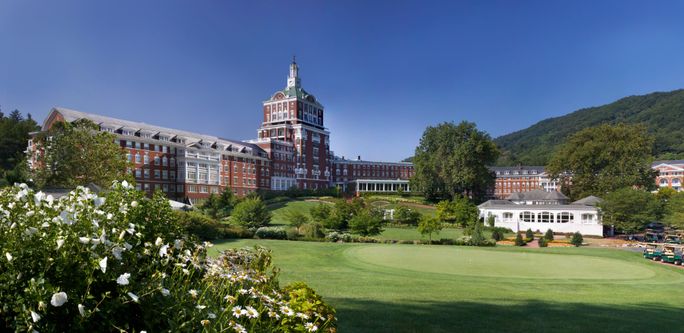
[521, 179]
[292, 149]
[670, 174]
[537, 210]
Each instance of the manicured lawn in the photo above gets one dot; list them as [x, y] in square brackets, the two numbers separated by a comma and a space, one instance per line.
[413, 234]
[280, 210]
[419, 288]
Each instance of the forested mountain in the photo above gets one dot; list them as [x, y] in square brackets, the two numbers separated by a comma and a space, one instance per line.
[661, 112]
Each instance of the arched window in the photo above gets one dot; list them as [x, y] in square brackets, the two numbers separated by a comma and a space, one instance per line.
[545, 217]
[663, 181]
[527, 217]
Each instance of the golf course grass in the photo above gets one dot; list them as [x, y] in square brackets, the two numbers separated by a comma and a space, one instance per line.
[419, 288]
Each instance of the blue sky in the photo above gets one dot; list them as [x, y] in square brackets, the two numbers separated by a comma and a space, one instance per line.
[383, 69]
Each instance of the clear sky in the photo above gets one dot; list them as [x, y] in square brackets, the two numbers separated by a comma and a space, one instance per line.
[384, 70]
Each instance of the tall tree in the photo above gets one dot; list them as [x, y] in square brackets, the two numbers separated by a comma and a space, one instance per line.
[601, 159]
[674, 210]
[629, 209]
[78, 154]
[14, 135]
[453, 160]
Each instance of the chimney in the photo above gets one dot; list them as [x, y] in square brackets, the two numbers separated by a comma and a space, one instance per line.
[358, 158]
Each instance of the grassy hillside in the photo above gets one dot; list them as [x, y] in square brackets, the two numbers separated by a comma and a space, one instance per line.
[661, 112]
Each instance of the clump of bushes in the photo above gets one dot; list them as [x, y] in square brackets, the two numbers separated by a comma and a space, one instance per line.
[200, 225]
[529, 235]
[122, 262]
[577, 239]
[271, 233]
[251, 213]
[339, 236]
[543, 242]
[519, 240]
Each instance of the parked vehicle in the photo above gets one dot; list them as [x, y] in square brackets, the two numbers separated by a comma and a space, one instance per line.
[671, 254]
[653, 251]
[673, 239]
[654, 237]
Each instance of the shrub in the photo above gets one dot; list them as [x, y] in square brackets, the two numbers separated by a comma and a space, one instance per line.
[251, 213]
[529, 235]
[491, 221]
[333, 236]
[236, 232]
[405, 215]
[200, 225]
[271, 233]
[497, 235]
[549, 235]
[321, 212]
[576, 239]
[519, 240]
[296, 218]
[293, 234]
[542, 242]
[312, 231]
[122, 263]
[368, 222]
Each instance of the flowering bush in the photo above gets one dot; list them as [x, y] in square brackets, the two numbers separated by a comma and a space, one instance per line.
[122, 263]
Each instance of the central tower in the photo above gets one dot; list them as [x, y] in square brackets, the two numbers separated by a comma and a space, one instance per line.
[293, 135]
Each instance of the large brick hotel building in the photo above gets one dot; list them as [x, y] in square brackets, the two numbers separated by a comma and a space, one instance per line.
[292, 149]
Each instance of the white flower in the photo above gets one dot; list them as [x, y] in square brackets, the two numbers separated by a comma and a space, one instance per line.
[103, 265]
[201, 307]
[252, 312]
[84, 240]
[310, 327]
[287, 311]
[165, 292]
[163, 251]
[116, 251]
[9, 256]
[99, 201]
[123, 279]
[50, 199]
[134, 204]
[302, 315]
[158, 242]
[109, 216]
[237, 311]
[35, 317]
[81, 310]
[211, 315]
[124, 184]
[133, 296]
[193, 293]
[60, 242]
[38, 198]
[58, 299]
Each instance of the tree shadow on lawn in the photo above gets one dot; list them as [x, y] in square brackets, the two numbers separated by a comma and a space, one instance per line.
[531, 316]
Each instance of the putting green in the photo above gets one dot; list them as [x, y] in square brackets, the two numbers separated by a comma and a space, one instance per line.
[491, 263]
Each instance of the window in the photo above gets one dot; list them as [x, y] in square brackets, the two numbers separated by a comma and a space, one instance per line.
[147, 173]
[138, 173]
[527, 217]
[165, 174]
[157, 174]
[146, 159]
[157, 160]
[545, 217]
[137, 158]
[587, 218]
[508, 217]
[565, 217]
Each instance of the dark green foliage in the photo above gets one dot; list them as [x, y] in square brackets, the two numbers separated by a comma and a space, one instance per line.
[477, 237]
[491, 221]
[603, 159]
[519, 240]
[342, 213]
[200, 225]
[576, 239]
[312, 230]
[14, 135]
[460, 211]
[271, 233]
[367, 222]
[405, 215]
[220, 206]
[543, 242]
[529, 235]
[661, 113]
[452, 160]
[548, 235]
[497, 235]
[674, 210]
[629, 210]
[251, 213]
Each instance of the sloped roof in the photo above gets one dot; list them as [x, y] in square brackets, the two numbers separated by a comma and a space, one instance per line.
[493, 203]
[588, 201]
[73, 115]
[537, 195]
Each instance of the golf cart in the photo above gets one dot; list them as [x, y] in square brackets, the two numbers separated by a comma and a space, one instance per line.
[653, 237]
[673, 239]
[653, 251]
[672, 254]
